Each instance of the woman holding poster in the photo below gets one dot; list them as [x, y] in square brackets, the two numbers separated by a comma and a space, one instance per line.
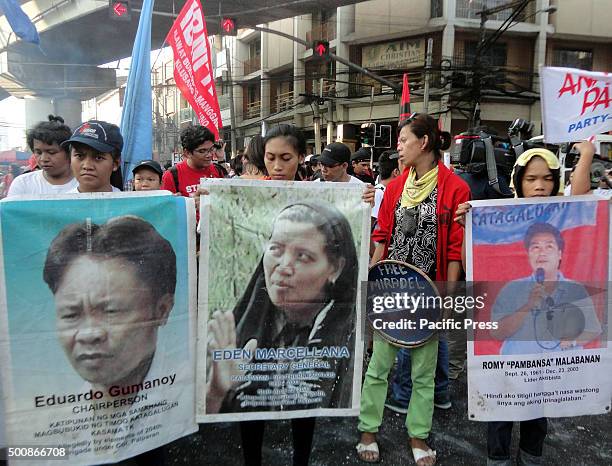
[414, 226]
[536, 174]
[322, 315]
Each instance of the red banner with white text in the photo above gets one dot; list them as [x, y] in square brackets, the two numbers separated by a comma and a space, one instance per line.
[192, 67]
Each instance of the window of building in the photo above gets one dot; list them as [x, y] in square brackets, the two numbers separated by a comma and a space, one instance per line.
[437, 10]
[470, 8]
[254, 61]
[255, 49]
[496, 55]
[252, 100]
[581, 59]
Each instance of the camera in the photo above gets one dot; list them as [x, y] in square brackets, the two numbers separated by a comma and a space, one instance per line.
[485, 160]
[470, 152]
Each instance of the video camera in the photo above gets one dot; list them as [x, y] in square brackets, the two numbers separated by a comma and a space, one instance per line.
[479, 153]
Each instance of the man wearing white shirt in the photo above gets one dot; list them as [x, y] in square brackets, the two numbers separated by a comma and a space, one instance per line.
[389, 169]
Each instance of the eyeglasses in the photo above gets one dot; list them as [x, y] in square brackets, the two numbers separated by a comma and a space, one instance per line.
[210, 150]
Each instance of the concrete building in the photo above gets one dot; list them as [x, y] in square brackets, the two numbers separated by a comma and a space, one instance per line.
[275, 79]
[107, 106]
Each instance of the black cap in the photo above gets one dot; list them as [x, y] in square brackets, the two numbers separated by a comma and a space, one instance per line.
[151, 164]
[335, 153]
[102, 136]
[361, 155]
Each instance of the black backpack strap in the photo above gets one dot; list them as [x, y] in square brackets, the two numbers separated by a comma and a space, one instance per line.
[174, 172]
[221, 169]
[491, 164]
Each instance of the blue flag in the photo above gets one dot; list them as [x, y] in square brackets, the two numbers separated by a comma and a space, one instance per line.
[137, 115]
[19, 21]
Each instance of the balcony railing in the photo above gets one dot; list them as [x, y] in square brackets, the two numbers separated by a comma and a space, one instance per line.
[362, 85]
[252, 109]
[252, 64]
[468, 9]
[283, 101]
[498, 79]
[325, 31]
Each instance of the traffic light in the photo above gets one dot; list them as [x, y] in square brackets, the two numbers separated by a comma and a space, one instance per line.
[120, 10]
[320, 50]
[228, 27]
[367, 134]
[383, 140]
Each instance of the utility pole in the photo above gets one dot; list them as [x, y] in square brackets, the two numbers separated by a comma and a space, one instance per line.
[428, 61]
[484, 44]
[330, 114]
[316, 120]
[330, 121]
[231, 97]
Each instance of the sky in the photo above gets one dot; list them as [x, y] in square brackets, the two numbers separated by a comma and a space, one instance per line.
[12, 123]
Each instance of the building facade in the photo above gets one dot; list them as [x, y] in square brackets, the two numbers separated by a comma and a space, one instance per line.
[276, 80]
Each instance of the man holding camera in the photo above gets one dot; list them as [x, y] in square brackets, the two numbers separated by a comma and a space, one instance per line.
[199, 148]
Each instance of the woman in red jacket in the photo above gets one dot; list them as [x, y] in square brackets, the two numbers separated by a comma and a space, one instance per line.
[415, 225]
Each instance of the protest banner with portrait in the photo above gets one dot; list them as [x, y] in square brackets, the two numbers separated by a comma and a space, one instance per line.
[97, 332]
[279, 329]
[542, 270]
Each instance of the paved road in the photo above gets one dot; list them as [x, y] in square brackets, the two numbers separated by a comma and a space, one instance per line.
[571, 441]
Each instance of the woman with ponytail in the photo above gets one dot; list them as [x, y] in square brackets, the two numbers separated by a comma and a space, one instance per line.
[54, 177]
[414, 226]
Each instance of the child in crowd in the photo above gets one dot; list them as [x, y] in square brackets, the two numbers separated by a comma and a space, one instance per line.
[95, 154]
[147, 176]
[45, 140]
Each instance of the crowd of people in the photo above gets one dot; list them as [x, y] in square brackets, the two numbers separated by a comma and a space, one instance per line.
[411, 194]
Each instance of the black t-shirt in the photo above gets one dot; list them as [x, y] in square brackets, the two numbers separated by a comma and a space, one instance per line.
[415, 235]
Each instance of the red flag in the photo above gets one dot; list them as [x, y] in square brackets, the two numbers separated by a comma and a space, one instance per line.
[192, 67]
[405, 102]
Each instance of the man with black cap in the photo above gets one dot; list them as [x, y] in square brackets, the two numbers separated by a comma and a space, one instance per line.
[147, 176]
[334, 161]
[361, 165]
[95, 156]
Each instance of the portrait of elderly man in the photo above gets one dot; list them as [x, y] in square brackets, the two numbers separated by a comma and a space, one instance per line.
[114, 287]
[545, 311]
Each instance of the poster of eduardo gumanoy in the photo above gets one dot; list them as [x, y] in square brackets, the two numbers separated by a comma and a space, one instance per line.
[279, 324]
[97, 308]
[542, 268]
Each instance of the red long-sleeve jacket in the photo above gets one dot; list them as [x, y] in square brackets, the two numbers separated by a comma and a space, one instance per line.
[452, 191]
